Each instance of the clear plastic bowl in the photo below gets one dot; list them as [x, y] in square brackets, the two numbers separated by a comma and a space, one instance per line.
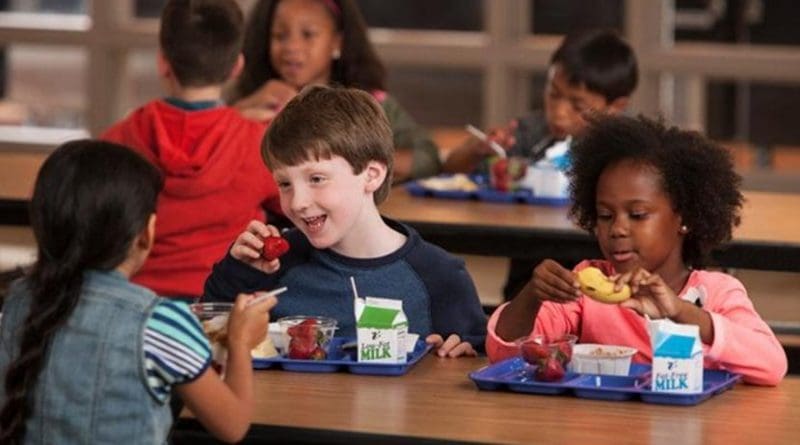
[538, 348]
[322, 332]
[213, 316]
[206, 311]
[591, 358]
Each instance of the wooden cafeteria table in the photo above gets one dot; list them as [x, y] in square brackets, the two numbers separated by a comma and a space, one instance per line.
[437, 403]
[767, 239]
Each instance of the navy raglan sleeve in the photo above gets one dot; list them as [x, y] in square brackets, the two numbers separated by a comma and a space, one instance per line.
[231, 277]
[455, 306]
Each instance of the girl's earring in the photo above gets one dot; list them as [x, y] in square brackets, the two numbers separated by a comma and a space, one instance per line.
[683, 230]
[336, 54]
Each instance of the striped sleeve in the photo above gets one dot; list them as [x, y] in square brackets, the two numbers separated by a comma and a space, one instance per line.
[175, 348]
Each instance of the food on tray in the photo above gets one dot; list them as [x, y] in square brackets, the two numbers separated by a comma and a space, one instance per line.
[601, 359]
[274, 247]
[308, 336]
[505, 173]
[608, 352]
[216, 329]
[595, 284]
[550, 356]
[458, 182]
[265, 349]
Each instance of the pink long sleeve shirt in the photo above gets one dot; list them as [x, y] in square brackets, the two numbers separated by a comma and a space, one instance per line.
[743, 343]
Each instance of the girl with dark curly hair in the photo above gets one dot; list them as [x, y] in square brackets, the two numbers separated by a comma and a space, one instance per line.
[658, 200]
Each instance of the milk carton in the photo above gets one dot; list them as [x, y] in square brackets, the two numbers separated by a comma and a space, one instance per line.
[677, 357]
[547, 177]
[381, 327]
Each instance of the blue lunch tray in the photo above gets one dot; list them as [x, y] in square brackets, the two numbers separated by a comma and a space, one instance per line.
[344, 360]
[485, 193]
[517, 376]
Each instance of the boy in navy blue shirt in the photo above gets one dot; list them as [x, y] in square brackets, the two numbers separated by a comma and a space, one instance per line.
[331, 153]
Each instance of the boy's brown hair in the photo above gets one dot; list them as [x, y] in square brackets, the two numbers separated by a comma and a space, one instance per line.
[201, 39]
[322, 122]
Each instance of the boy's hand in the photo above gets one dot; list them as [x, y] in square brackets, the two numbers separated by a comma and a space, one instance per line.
[248, 324]
[552, 282]
[650, 294]
[452, 347]
[249, 246]
[503, 136]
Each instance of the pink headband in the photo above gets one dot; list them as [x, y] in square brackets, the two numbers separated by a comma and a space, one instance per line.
[333, 7]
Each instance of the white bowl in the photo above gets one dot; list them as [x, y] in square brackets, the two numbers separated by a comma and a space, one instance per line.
[592, 358]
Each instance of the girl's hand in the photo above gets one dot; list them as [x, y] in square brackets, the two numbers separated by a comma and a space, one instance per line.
[452, 347]
[265, 102]
[248, 323]
[552, 282]
[249, 244]
[650, 294]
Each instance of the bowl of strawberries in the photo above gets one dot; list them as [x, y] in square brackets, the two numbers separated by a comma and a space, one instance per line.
[307, 337]
[549, 356]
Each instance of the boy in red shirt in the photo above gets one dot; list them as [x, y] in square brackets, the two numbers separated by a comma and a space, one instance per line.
[215, 181]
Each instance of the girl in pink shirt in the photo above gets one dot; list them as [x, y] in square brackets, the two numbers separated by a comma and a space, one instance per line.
[658, 201]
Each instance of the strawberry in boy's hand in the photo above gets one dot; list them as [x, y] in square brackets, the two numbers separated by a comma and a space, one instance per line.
[274, 247]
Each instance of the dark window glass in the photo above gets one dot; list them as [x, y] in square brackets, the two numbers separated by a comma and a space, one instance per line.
[769, 116]
[773, 22]
[563, 16]
[149, 8]
[452, 15]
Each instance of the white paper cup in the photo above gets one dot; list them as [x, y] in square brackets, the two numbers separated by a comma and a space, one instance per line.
[592, 358]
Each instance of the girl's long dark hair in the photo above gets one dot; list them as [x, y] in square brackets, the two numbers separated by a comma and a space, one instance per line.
[90, 201]
[358, 66]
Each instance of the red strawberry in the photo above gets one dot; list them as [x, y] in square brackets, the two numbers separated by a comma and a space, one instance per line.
[532, 352]
[500, 179]
[274, 247]
[550, 371]
[564, 351]
[307, 329]
[319, 354]
[301, 348]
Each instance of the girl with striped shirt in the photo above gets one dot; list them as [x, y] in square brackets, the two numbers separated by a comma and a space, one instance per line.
[86, 356]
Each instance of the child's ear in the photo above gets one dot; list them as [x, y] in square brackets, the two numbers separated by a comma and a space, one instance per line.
[375, 173]
[237, 67]
[147, 236]
[164, 68]
[618, 105]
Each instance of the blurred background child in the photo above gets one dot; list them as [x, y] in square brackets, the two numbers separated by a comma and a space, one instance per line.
[592, 71]
[293, 43]
[658, 200]
[76, 317]
[331, 152]
[215, 182]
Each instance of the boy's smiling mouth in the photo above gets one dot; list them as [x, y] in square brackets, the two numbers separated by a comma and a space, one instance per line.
[315, 223]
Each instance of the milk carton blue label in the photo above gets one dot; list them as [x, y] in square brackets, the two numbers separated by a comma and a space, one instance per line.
[677, 357]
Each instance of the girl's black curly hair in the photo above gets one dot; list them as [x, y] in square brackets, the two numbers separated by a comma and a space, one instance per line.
[696, 174]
